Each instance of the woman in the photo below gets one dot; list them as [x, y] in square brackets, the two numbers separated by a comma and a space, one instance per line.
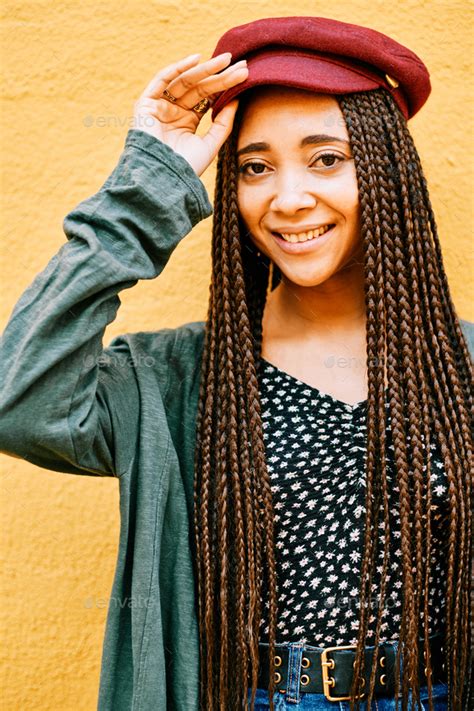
[189, 419]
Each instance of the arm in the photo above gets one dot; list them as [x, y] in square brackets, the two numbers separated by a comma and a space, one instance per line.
[58, 382]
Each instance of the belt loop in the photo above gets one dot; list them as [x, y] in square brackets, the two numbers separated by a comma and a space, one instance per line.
[295, 653]
[395, 644]
[389, 676]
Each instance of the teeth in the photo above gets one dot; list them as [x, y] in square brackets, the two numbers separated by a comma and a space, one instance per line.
[305, 236]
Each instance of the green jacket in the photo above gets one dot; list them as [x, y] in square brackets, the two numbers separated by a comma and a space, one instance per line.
[127, 411]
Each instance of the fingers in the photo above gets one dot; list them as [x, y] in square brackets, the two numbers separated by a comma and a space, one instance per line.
[161, 80]
[191, 77]
[189, 84]
[215, 84]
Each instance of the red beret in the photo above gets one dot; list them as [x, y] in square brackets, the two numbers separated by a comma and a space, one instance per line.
[326, 56]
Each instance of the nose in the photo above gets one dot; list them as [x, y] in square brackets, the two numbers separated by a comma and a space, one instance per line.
[292, 195]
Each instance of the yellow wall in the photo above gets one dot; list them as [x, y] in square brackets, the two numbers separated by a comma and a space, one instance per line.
[71, 72]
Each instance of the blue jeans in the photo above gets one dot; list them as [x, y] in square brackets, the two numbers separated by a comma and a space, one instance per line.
[295, 700]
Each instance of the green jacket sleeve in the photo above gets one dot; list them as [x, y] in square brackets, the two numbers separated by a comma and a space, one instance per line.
[60, 385]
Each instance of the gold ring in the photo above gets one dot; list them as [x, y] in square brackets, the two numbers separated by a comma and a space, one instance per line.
[169, 96]
[202, 106]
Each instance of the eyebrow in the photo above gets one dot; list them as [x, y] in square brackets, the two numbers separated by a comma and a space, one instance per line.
[309, 140]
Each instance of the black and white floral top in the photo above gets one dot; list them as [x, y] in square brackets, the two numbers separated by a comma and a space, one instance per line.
[315, 449]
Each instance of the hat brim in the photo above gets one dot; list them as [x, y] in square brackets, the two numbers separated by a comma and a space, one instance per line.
[310, 71]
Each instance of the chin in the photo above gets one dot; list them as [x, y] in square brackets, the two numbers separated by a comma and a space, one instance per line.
[306, 280]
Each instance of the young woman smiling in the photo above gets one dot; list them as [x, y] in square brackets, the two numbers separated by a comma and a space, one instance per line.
[301, 536]
[298, 197]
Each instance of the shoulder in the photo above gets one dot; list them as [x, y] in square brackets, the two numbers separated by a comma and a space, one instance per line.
[468, 330]
[177, 348]
[181, 347]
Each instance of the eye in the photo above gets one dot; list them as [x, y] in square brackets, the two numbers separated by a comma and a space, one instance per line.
[329, 156]
[244, 168]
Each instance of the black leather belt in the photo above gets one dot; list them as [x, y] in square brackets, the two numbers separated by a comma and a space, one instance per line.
[329, 671]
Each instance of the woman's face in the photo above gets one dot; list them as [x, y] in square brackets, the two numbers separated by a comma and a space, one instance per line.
[296, 173]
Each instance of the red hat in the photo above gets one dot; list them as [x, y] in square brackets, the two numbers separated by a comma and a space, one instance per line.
[326, 56]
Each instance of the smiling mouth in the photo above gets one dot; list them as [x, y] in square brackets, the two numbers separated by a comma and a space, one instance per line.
[304, 236]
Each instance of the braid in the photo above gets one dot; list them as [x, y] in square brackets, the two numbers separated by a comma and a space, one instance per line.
[231, 475]
[422, 488]
[414, 342]
[456, 424]
[203, 516]
[370, 221]
[409, 301]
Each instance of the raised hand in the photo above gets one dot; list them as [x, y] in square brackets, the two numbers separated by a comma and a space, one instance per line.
[173, 121]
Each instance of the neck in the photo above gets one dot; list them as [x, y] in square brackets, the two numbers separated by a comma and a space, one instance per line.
[331, 310]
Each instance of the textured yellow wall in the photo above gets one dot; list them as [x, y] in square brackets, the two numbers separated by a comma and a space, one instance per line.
[71, 72]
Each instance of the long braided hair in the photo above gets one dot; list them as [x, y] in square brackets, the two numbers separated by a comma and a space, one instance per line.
[412, 320]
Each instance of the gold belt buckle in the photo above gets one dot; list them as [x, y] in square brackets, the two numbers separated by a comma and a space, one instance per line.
[329, 681]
